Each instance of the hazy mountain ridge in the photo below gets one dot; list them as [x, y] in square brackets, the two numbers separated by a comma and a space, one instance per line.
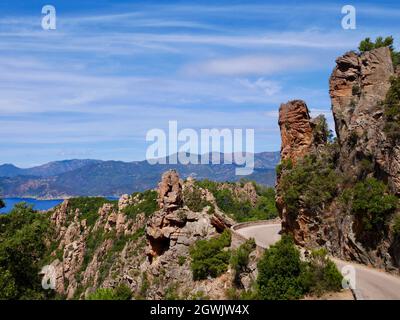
[67, 178]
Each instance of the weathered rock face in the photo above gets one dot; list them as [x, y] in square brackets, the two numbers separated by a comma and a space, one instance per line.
[300, 135]
[170, 233]
[119, 244]
[296, 130]
[174, 224]
[358, 85]
[170, 191]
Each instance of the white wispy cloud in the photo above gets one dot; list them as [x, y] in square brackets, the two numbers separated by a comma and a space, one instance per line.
[249, 65]
[268, 87]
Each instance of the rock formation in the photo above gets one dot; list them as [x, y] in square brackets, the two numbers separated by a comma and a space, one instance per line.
[358, 85]
[121, 244]
[174, 226]
[296, 130]
[170, 191]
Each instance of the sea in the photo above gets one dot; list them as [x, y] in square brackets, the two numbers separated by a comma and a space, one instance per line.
[37, 204]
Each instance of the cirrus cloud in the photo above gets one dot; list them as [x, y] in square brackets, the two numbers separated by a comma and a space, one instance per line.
[248, 65]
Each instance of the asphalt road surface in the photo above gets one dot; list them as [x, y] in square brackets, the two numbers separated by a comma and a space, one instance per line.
[370, 284]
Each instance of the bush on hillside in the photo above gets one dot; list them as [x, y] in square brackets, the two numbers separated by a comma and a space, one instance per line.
[194, 200]
[392, 110]
[240, 258]
[122, 292]
[283, 275]
[209, 257]
[88, 207]
[371, 203]
[279, 272]
[147, 204]
[243, 210]
[396, 226]
[320, 274]
[311, 183]
[22, 247]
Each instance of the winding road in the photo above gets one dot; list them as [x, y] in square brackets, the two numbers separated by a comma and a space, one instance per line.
[370, 284]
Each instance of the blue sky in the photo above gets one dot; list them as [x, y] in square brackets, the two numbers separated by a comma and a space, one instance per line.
[115, 69]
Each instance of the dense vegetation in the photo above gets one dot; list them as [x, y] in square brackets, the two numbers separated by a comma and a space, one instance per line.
[372, 205]
[210, 257]
[22, 247]
[283, 275]
[194, 200]
[392, 110]
[147, 204]
[122, 292]
[396, 226]
[243, 210]
[240, 258]
[368, 45]
[311, 183]
[88, 207]
[2, 204]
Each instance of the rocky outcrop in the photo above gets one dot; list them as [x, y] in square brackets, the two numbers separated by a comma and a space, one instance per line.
[243, 193]
[300, 135]
[118, 243]
[358, 85]
[296, 130]
[170, 191]
[174, 224]
[170, 233]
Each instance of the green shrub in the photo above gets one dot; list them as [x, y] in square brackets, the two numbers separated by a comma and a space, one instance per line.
[122, 292]
[282, 275]
[284, 165]
[240, 258]
[209, 257]
[88, 207]
[23, 233]
[144, 286]
[102, 294]
[181, 260]
[355, 90]
[320, 274]
[194, 200]
[147, 204]
[392, 110]
[396, 226]
[368, 45]
[171, 293]
[8, 287]
[311, 183]
[2, 204]
[370, 202]
[243, 210]
[279, 272]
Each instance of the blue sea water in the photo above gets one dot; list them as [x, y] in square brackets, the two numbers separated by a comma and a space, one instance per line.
[37, 204]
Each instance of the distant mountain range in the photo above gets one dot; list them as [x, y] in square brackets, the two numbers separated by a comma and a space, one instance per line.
[67, 178]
